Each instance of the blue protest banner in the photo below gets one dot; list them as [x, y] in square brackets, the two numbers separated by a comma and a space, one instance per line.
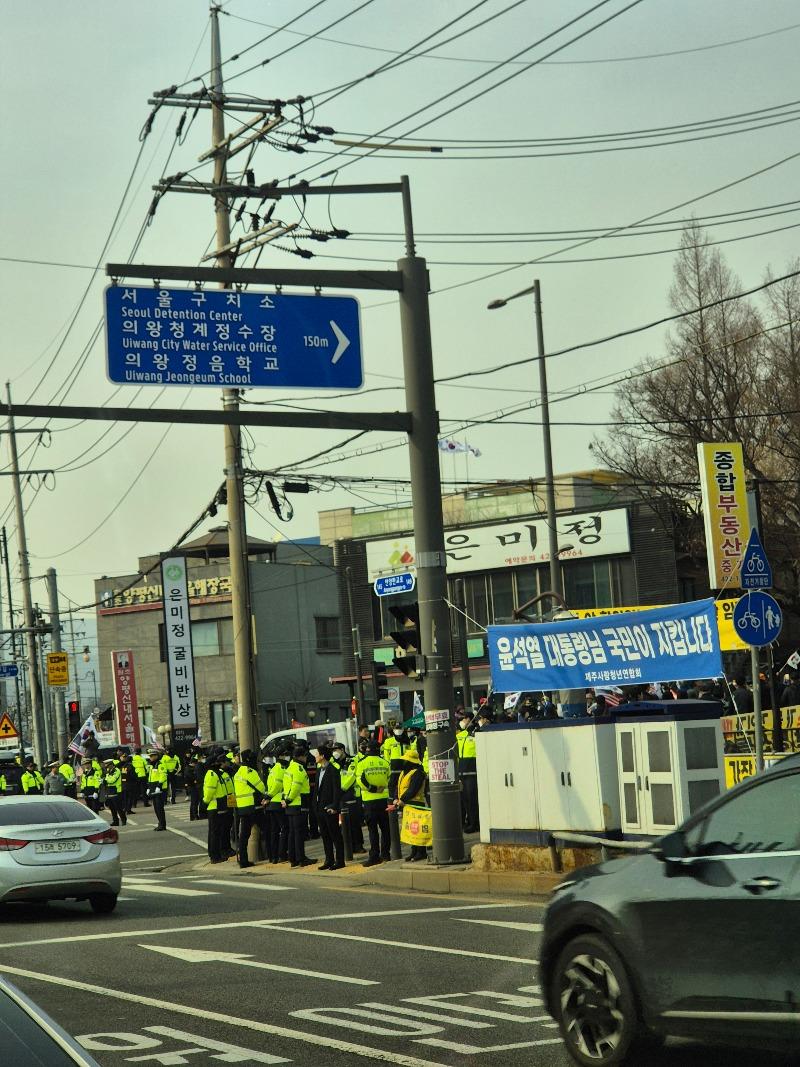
[655, 645]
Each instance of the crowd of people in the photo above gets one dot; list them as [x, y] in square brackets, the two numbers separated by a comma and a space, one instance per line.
[294, 794]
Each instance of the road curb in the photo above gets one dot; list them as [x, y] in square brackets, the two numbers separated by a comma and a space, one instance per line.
[398, 875]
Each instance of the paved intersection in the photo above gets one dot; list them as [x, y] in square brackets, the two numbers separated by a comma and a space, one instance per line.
[204, 966]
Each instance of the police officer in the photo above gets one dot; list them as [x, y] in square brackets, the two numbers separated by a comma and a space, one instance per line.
[393, 750]
[276, 812]
[351, 794]
[90, 785]
[157, 787]
[373, 777]
[128, 780]
[468, 773]
[295, 787]
[213, 794]
[31, 781]
[171, 763]
[67, 772]
[192, 777]
[227, 805]
[250, 793]
[140, 769]
[112, 777]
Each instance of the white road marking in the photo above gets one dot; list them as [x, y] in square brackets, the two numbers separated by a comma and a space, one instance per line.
[254, 924]
[182, 833]
[475, 1050]
[165, 890]
[326, 1041]
[529, 928]
[398, 1009]
[279, 925]
[191, 955]
[158, 859]
[239, 883]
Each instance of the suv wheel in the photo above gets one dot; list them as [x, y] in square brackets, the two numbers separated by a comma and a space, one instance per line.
[595, 1005]
[103, 903]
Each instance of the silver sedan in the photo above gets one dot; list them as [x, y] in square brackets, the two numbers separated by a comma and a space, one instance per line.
[53, 848]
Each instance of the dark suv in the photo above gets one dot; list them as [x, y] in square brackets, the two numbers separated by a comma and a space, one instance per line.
[699, 937]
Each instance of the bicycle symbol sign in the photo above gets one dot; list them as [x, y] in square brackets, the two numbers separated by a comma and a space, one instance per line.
[756, 572]
[758, 618]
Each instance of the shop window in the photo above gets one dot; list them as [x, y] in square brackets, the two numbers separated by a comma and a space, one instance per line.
[328, 639]
[222, 727]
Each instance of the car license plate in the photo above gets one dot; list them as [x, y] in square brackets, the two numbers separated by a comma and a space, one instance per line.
[56, 846]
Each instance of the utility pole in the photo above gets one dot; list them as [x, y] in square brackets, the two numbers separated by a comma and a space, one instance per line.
[463, 654]
[20, 715]
[61, 731]
[356, 645]
[25, 580]
[47, 701]
[431, 561]
[246, 727]
[550, 489]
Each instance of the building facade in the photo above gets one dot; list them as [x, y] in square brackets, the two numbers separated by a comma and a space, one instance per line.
[614, 551]
[295, 626]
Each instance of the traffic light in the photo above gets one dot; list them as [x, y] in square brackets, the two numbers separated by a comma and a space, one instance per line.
[407, 638]
[379, 681]
[74, 710]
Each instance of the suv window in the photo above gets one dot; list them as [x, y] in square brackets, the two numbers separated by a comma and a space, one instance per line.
[15, 812]
[761, 819]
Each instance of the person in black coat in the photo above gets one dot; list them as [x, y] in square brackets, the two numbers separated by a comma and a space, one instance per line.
[327, 803]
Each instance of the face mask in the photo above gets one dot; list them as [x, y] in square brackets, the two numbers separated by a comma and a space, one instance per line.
[337, 754]
[398, 733]
[464, 724]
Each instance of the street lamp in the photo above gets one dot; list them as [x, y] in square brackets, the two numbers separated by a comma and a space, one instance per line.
[550, 492]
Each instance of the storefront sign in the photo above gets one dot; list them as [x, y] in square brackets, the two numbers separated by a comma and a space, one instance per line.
[513, 543]
[727, 525]
[655, 645]
[57, 670]
[178, 640]
[438, 719]
[127, 707]
[150, 595]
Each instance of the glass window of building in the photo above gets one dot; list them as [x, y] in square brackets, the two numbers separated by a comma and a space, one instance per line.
[222, 727]
[328, 639]
[205, 638]
[587, 583]
[502, 596]
[146, 716]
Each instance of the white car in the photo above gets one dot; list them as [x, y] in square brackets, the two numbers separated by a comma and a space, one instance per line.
[53, 848]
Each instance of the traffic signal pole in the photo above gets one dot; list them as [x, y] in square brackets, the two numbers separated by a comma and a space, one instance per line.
[360, 718]
[431, 560]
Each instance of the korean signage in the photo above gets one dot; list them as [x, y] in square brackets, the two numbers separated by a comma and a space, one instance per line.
[654, 645]
[513, 543]
[729, 640]
[127, 706]
[223, 338]
[178, 641]
[727, 524]
[57, 669]
[149, 596]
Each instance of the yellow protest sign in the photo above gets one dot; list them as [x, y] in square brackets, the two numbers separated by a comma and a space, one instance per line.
[417, 827]
[729, 640]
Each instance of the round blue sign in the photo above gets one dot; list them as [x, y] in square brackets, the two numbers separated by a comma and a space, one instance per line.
[757, 618]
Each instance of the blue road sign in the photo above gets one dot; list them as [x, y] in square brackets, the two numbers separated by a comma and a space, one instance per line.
[758, 618]
[756, 572]
[234, 340]
[395, 583]
[8, 670]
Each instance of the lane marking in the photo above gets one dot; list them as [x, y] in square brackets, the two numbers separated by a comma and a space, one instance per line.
[278, 925]
[166, 890]
[238, 883]
[158, 859]
[254, 924]
[191, 955]
[530, 928]
[188, 837]
[449, 1020]
[327, 1041]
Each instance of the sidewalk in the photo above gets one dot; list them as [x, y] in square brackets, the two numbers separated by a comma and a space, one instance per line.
[396, 874]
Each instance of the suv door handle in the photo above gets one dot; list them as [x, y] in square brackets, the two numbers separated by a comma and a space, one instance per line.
[761, 885]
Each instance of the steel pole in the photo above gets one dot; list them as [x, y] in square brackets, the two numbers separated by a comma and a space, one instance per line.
[431, 561]
[356, 637]
[550, 489]
[463, 655]
[59, 704]
[758, 721]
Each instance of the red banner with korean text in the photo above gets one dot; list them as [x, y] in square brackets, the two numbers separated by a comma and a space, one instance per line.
[127, 706]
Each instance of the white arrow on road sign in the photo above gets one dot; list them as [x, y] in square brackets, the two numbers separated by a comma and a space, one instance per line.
[193, 955]
[343, 343]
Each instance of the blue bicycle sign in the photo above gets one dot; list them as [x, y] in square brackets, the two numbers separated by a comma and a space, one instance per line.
[758, 618]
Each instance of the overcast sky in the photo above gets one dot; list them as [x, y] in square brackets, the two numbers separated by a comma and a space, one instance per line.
[76, 79]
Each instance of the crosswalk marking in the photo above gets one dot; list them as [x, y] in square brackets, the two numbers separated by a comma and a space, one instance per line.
[529, 928]
[165, 890]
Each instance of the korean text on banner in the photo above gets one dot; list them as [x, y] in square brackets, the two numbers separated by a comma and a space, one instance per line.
[178, 641]
[729, 640]
[727, 525]
[653, 645]
[127, 706]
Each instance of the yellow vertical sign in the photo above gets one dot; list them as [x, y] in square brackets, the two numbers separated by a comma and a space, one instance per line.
[727, 523]
[57, 669]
